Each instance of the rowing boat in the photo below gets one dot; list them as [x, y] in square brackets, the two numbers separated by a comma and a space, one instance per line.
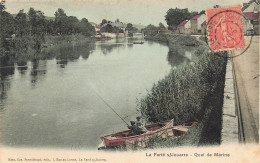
[164, 129]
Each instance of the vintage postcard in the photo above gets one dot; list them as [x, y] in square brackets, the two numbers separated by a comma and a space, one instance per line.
[129, 81]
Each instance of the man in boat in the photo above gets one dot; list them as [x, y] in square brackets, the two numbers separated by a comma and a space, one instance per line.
[133, 128]
[140, 127]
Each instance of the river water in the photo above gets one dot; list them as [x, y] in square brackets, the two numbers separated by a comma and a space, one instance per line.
[56, 102]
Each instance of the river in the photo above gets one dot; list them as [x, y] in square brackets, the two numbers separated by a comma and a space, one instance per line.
[56, 103]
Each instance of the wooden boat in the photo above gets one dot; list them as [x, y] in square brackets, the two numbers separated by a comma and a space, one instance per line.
[162, 129]
[101, 37]
[138, 42]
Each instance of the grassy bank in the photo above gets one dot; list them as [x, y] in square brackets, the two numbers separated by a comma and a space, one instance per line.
[191, 92]
[174, 39]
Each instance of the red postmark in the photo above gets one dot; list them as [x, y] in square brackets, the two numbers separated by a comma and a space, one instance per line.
[225, 28]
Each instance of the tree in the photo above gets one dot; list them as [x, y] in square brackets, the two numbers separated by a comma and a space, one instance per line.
[175, 16]
[72, 25]
[161, 26]
[21, 24]
[108, 28]
[129, 26]
[192, 14]
[6, 28]
[2, 8]
[37, 27]
[86, 28]
[6, 19]
[202, 12]
[131, 29]
[61, 22]
[50, 27]
[150, 27]
[37, 22]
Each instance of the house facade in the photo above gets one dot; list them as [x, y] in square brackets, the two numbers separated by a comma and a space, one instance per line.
[117, 24]
[196, 22]
[184, 27]
[251, 17]
[204, 27]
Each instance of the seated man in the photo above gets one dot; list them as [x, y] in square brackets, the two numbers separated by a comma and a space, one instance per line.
[133, 128]
[140, 127]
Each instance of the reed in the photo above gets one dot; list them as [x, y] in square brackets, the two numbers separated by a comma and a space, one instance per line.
[191, 92]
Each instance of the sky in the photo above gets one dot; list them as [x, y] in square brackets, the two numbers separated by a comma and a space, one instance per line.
[142, 12]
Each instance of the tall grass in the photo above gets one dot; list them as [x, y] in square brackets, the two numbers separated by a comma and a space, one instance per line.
[191, 92]
[182, 93]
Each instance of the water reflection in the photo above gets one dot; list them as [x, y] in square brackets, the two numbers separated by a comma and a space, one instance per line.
[38, 71]
[62, 63]
[6, 70]
[22, 67]
[108, 46]
[72, 53]
[180, 55]
[67, 53]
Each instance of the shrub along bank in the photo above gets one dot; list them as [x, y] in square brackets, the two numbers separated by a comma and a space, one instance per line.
[191, 92]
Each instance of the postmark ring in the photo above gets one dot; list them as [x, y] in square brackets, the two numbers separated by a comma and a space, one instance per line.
[206, 38]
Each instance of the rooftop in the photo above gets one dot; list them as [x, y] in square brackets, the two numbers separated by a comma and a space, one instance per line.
[251, 15]
[195, 17]
[204, 23]
[182, 23]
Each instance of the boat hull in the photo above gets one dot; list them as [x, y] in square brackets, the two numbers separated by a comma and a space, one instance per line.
[162, 130]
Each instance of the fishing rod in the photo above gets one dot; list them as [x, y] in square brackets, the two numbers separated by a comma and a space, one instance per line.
[112, 109]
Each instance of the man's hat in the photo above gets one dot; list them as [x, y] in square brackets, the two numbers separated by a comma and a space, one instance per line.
[132, 122]
[138, 117]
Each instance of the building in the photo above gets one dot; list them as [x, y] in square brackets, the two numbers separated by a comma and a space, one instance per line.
[184, 27]
[117, 24]
[251, 17]
[204, 27]
[196, 22]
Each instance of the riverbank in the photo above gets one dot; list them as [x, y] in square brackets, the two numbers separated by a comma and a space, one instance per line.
[27, 48]
[191, 92]
[175, 39]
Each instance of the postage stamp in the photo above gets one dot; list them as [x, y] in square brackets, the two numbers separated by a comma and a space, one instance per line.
[225, 28]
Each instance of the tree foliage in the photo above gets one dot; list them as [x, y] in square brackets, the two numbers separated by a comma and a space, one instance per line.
[161, 26]
[86, 28]
[175, 16]
[6, 28]
[66, 25]
[21, 24]
[131, 29]
[37, 22]
[30, 29]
